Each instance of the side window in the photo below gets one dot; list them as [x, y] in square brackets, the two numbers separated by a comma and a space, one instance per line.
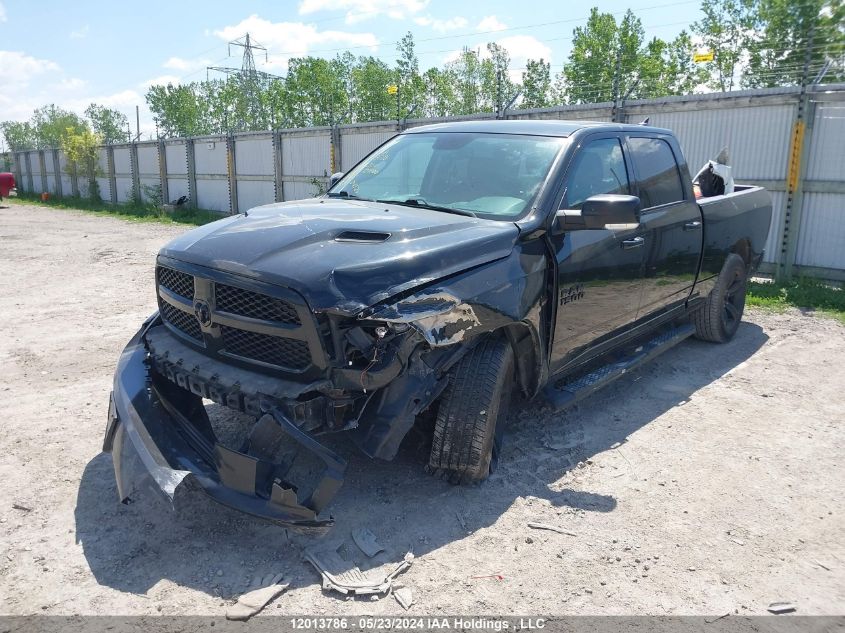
[598, 168]
[657, 171]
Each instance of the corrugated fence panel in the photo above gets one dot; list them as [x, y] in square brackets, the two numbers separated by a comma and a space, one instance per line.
[122, 161]
[210, 156]
[67, 181]
[827, 160]
[35, 165]
[212, 174]
[821, 238]
[772, 246]
[254, 157]
[177, 169]
[51, 172]
[102, 175]
[123, 173]
[757, 137]
[299, 190]
[177, 162]
[354, 146]
[148, 174]
[253, 193]
[305, 155]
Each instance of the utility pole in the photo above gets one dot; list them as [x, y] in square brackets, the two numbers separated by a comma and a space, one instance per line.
[252, 81]
[137, 123]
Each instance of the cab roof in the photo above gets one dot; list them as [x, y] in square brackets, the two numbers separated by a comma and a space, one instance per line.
[533, 127]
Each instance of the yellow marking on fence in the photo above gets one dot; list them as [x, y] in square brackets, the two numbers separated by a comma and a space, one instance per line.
[794, 172]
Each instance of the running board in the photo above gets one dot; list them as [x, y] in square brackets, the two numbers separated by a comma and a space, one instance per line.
[568, 390]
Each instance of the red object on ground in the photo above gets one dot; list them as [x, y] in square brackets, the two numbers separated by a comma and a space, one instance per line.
[7, 183]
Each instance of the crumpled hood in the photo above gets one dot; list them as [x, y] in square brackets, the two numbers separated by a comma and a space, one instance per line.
[294, 244]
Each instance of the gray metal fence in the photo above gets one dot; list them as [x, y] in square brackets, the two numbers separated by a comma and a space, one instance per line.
[788, 140]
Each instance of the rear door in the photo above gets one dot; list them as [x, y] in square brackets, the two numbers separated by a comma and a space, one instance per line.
[599, 270]
[671, 222]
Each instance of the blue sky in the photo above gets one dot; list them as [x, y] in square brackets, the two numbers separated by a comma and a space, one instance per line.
[54, 51]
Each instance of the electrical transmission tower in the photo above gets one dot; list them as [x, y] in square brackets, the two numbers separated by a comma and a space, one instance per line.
[251, 83]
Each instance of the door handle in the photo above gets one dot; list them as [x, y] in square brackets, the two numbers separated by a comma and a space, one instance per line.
[692, 226]
[635, 242]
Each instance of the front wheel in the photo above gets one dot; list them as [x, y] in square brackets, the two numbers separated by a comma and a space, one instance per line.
[473, 410]
[718, 319]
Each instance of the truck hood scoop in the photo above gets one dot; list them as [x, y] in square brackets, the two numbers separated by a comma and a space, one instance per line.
[344, 255]
[368, 237]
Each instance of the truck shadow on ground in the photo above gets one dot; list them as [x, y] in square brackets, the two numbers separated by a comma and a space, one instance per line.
[210, 548]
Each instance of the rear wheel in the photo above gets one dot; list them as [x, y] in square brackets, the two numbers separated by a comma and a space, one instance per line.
[473, 410]
[718, 319]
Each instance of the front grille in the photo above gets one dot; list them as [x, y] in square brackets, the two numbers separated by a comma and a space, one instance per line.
[287, 348]
[253, 304]
[284, 352]
[182, 321]
[176, 281]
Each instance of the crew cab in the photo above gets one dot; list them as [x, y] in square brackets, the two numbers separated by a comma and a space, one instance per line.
[454, 265]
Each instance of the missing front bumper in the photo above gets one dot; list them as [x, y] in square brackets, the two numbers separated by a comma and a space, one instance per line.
[158, 434]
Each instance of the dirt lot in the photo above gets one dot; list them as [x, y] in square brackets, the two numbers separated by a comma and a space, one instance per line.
[706, 483]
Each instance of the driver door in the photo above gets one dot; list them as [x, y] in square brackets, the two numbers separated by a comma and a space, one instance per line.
[600, 271]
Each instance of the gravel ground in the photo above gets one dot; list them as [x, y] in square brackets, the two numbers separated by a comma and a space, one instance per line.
[705, 483]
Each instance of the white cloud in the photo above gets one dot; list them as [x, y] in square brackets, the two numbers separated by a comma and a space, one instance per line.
[80, 34]
[161, 80]
[291, 39]
[2, 13]
[441, 26]
[491, 23]
[19, 67]
[359, 10]
[71, 84]
[179, 63]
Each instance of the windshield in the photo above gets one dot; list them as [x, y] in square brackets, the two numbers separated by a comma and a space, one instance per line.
[493, 176]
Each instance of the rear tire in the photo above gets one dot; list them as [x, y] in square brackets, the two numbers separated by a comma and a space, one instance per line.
[718, 319]
[473, 410]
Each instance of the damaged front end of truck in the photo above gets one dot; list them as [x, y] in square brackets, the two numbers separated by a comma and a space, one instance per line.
[298, 375]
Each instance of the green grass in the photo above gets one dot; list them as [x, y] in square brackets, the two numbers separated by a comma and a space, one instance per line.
[128, 211]
[806, 294]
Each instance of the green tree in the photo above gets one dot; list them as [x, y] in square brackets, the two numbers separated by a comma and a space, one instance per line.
[370, 78]
[109, 124]
[497, 87]
[467, 73]
[19, 135]
[411, 85]
[789, 34]
[536, 84]
[80, 147]
[725, 29]
[51, 123]
[179, 110]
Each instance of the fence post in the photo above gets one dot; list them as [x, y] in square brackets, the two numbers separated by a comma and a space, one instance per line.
[162, 172]
[43, 165]
[30, 184]
[136, 176]
[232, 170]
[74, 180]
[278, 166]
[192, 172]
[57, 174]
[111, 176]
[336, 154]
[18, 170]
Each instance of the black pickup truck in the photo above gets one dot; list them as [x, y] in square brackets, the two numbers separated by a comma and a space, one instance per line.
[453, 265]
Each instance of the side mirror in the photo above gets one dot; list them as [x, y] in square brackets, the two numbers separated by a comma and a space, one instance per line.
[334, 178]
[599, 211]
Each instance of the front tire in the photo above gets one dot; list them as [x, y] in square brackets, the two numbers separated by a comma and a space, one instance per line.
[718, 319]
[472, 414]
